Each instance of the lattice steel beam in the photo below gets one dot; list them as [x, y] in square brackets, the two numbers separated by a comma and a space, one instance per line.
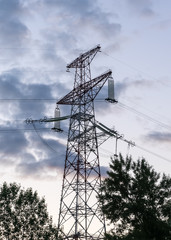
[81, 94]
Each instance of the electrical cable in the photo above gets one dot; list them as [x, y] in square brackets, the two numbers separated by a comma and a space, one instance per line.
[24, 129]
[42, 140]
[34, 71]
[126, 64]
[33, 48]
[143, 149]
[120, 104]
[153, 153]
[29, 99]
[39, 99]
[108, 152]
[161, 124]
[140, 106]
[136, 69]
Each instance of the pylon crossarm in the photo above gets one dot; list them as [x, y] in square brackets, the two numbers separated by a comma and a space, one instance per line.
[78, 95]
[57, 119]
[104, 130]
[45, 119]
[112, 133]
[84, 59]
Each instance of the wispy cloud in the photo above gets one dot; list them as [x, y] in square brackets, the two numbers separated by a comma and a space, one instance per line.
[38, 38]
[143, 8]
[49, 157]
[127, 84]
[159, 137]
[14, 32]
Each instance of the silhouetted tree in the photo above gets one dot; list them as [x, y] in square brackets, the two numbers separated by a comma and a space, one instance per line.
[23, 215]
[137, 201]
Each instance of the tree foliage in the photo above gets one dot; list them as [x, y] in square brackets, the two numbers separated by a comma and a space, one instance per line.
[23, 215]
[136, 200]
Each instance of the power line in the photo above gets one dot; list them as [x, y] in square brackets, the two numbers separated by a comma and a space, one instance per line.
[38, 99]
[120, 104]
[29, 99]
[33, 71]
[32, 48]
[24, 129]
[42, 140]
[128, 65]
[153, 153]
[157, 114]
[109, 153]
[161, 124]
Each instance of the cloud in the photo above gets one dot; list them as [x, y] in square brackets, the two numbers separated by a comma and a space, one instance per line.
[103, 170]
[78, 21]
[120, 89]
[13, 85]
[127, 83]
[50, 156]
[13, 30]
[14, 147]
[52, 32]
[31, 153]
[51, 58]
[144, 8]
[9, 86]
[159, 137]
[12, 88]
[12, 144]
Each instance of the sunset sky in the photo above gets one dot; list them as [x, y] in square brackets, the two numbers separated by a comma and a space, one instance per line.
[38, 38]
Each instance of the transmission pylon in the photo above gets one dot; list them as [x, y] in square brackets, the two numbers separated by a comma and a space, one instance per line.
[80, 216]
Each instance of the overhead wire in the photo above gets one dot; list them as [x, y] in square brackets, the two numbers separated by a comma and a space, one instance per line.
[153, 153]
[109, 152]
[39, 99]
[28, 48]
[161, 124]
[29, 99]
[131, 109]
[126, 64]
[119, 103]
[42, 140]
[32, 71]
[122, 105]
[24, 129]
[152, 112]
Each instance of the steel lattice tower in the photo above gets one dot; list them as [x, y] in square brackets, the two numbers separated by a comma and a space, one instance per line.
[79, 215]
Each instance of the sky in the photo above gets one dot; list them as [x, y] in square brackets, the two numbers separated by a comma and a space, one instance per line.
[38, 38]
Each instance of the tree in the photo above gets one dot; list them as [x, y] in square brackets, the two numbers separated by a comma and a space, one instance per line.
[136, 200]
[23, 215]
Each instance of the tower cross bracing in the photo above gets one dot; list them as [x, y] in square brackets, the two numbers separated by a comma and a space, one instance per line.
[80, 216]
